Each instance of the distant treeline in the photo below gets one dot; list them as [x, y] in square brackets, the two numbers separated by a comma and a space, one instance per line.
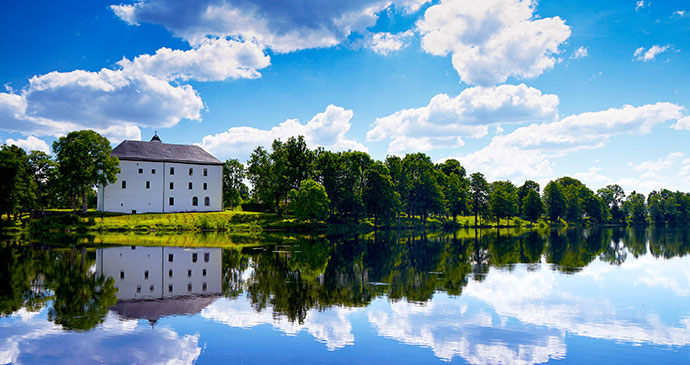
[355, 187]
[343, 187]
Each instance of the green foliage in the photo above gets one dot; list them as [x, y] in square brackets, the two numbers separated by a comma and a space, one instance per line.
[635, 207]
[532, 207]
[379, 195]
[84, 161]
[233, 183]
[310, 202]
[16, 187]
[554, 201]
[502, 200]
[479, 195]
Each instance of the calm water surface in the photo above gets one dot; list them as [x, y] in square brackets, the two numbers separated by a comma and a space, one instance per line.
[578, 296]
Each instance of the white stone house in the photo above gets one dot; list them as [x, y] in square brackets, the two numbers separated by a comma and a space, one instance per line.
[162, 177]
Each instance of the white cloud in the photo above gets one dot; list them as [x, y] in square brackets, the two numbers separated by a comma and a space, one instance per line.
[680, 13]
[581, 52]
[331, 327]
[445, 120]
[30, 143]
[592, 177]
[283, 26]
[387, 43]
[649, 55]
[660, 164]
[210, 60]
[641, 4]
[494, 39]
[325, 129]
[526, 152]
[682, 124]
[36, 340]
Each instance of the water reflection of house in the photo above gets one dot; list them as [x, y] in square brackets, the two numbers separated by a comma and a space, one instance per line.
[153, 282]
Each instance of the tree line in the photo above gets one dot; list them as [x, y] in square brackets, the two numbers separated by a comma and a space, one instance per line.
[350, 186]
[339, 187]
[36, 180]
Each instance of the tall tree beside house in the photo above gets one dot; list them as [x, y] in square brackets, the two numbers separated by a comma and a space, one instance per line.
[233, 185]
[84, 161]
[522, 192]
[300, 161]
[14, 185]
[479, 195]
[260, 174]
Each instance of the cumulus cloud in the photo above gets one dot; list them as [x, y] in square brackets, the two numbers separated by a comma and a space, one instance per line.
[325, 129]
[660, 164]
[30, 143]
[527, 150]
[283, 26]
[210, 60]
[650, 54]
[387, 43]
[641, 4]
[682, 124]
[492, 40]
[581, 52]
[445, 121]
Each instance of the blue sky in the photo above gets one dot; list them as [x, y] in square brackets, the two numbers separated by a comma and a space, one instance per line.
[597, 90]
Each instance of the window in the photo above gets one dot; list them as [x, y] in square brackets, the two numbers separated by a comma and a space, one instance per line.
[151, 287]
[207, 201]
[205, 186]
[138, 288]
[194, 257]
[170, 273]
[189, 287]
[170, 288]
[190, 186]
[189, 273]
[172, 185]
[206, 256]
[191, 171]
[153, 171]
[205, 172]
[195, 201]
[146, 275]
[203, 272]
[170, 257]
[122, 274]
[148, 185]
[172, 171]
[171, 200]
[203, 286]
[141, 171]
[124, 184]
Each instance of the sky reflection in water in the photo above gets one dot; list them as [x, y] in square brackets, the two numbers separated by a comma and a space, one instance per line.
[618, 298]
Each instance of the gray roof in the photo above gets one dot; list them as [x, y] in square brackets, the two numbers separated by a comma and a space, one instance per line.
[163, 152]
[155, 309]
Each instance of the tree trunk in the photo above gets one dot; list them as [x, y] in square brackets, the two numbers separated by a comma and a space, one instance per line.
[83, 201]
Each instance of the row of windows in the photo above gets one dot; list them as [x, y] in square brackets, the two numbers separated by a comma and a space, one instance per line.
[195, 257]
[172, 185]
[172, 171]
[170, 273]
[170, 287]
[195, 201]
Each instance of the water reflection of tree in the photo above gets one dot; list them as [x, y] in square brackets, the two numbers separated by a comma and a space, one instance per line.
[29, 278]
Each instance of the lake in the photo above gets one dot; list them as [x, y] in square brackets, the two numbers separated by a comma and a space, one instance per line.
[575, 296]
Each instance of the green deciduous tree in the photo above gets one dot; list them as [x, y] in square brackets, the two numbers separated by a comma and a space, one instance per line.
[310, 202]
[502, 200]
[532, 207]
[233, 184]
[554, 201]
[84, 161]
[379, 195]
[634, 206]
[479, 195]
